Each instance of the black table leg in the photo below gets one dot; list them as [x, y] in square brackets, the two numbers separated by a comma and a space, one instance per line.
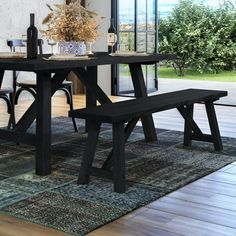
[141, 91]
[43, 124]
[28, 118]
[90, 96]
[85, 75]
[93, 92]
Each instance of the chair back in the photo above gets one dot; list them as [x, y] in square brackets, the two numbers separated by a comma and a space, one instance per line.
[14, 43]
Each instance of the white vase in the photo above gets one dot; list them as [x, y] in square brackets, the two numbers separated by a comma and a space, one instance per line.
[72, 47]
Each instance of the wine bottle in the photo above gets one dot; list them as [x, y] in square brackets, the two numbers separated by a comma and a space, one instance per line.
[32, 39]
[111, 37]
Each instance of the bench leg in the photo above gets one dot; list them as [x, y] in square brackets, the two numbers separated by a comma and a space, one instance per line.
[119, 157]
[93, 132]
[70, 90]
[187, 128]
[108, 164]
[215, 132]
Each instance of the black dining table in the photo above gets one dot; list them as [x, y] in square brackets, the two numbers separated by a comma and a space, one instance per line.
[49, 76]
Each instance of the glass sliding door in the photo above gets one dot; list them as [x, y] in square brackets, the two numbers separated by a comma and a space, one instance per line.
[126, 38]
[136, 22]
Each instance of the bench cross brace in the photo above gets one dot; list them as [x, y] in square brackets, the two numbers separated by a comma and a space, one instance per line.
[193, 132]
[108, 164]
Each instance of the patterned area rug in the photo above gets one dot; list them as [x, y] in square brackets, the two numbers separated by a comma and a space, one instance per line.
[153, 170]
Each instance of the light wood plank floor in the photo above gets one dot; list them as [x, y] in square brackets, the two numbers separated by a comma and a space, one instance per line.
[205, 207]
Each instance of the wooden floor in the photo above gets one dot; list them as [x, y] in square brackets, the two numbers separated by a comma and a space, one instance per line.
[205, 207]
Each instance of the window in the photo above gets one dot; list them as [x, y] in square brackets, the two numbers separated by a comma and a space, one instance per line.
[136, 23]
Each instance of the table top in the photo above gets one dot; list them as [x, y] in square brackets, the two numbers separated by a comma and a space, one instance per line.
[101, 58]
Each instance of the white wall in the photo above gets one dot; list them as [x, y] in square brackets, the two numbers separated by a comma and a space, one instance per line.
[14, 21]
[103, 8]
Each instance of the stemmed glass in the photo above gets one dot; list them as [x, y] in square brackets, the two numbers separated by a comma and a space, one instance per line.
[24, 41]
[122, 47]
[52, 43]
[112, 40]
[90, 45]
[24, 38]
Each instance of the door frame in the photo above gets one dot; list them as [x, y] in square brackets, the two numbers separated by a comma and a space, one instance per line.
[114, 68]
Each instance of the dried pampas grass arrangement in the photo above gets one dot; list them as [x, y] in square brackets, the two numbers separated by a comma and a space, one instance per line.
[71, 22]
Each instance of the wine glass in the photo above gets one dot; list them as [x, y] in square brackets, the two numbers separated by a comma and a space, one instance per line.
[121, 47]
[52, 43]
[24, 39]
[90, 46]
[23, 42]
[112, 39]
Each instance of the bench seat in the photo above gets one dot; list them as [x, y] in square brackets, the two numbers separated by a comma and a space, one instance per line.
[125, 110]
[129, 112]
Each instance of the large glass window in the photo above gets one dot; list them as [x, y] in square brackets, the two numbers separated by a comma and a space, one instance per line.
[136, 22]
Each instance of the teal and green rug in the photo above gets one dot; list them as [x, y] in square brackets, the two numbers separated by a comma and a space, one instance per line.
[153, 170]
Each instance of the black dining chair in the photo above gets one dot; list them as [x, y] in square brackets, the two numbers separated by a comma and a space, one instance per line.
[7, 94]
[30, 86]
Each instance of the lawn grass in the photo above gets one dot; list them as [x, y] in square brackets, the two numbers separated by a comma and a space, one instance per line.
[224, 76]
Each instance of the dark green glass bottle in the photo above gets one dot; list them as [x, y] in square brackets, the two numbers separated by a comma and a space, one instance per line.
[32, 39]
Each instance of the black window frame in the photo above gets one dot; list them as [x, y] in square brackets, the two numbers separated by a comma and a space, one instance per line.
[114, 69]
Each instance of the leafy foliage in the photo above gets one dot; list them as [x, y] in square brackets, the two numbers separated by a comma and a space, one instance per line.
[203, 38]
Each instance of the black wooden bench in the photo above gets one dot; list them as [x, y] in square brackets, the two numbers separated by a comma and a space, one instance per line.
[118, 114]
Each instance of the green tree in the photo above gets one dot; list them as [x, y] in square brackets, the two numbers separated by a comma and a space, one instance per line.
[203, 38]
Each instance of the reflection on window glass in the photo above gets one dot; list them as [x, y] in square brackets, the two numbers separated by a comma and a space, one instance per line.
[141, 42]
[144, 69]
[126, 39]
[151, 15]
[151, 75]
[125, 81]
[141, 14]
[151, 37]
[126, 14]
